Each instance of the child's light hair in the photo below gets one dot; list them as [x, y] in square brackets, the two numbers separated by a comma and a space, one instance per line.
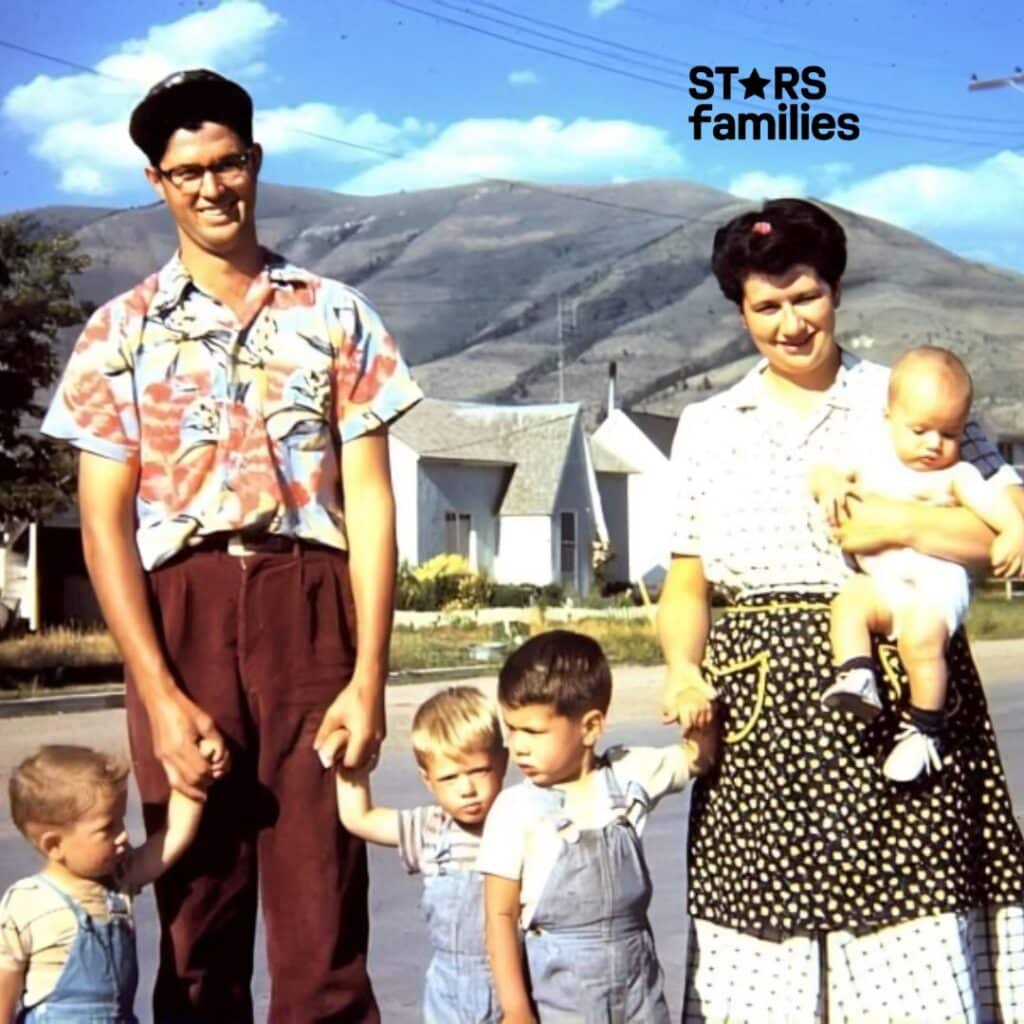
[59, 784]
[938, 363]
[458, 720]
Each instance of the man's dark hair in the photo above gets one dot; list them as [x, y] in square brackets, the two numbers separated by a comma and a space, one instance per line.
[772, 240]
[186, 99]
[561, 668]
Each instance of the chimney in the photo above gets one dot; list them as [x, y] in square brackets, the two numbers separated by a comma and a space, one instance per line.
[612, 373]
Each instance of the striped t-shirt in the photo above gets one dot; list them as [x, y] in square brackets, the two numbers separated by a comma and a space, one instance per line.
[429, 837]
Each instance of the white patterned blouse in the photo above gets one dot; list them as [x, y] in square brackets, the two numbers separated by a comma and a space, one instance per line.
[740, 465]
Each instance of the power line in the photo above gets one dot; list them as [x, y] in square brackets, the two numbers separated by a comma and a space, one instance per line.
[681, 89]
[61, 60]
[1004, 122]
[500, 436]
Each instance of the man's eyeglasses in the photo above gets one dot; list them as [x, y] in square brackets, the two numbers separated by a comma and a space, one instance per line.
[228, 170]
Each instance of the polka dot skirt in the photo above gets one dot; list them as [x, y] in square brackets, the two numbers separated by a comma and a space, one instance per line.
[799, 831]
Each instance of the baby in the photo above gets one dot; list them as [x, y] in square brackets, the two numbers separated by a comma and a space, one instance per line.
[67, 942]
[456, 739]
[561, 854]
[918, 599]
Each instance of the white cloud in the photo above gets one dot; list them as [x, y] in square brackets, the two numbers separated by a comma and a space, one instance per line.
[539, 149]
[313, 127]
[78, 123]
[599, 7]
[758, 185]
[976, 211]
[986, 197]
[523, 77]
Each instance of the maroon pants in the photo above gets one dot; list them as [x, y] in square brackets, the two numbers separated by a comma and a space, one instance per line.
[263, 644]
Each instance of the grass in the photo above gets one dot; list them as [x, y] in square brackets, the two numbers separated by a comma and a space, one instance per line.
[70, 654]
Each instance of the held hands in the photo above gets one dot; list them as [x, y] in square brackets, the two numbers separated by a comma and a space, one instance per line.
[687, 698]
[353, 726]
[870, 523]
[187, 743]
[1007, 554]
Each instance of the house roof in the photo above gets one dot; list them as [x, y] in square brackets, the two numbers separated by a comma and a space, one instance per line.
[660, 430]
[605, 460]
[532, 439]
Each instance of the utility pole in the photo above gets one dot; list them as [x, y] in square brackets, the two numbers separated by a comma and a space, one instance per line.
[1014, 81]
[566, 332]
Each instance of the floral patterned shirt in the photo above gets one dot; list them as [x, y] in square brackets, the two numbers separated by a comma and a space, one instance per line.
[235, 422]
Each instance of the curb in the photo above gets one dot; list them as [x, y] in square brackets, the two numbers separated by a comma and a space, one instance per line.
[113, 697]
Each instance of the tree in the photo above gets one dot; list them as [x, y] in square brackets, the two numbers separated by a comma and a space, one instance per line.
[36, 300]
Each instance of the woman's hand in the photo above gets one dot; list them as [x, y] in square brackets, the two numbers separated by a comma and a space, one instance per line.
[869, 523]
[1008, 555]
[687, 698]
[833, 489]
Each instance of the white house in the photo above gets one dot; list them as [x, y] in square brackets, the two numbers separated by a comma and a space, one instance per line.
[510, 487]
[630, 451]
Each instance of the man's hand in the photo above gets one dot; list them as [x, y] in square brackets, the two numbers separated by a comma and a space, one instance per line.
[687, 697]
[353, 727]
[178, 727]
[1008, 554]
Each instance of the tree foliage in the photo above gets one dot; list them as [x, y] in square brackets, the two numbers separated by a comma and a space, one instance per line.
[36, 300]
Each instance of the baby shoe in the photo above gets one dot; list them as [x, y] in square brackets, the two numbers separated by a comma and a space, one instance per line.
[914, 753]
[856, 692]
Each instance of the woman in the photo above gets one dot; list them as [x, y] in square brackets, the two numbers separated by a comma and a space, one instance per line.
[819, 891]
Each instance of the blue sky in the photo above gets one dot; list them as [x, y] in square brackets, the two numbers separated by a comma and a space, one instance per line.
[435, 100]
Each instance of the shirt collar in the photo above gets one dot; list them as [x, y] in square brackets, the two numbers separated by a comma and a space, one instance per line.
[749, 391]
[174, 280]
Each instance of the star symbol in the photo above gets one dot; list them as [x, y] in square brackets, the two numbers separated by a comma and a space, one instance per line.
[754, 85]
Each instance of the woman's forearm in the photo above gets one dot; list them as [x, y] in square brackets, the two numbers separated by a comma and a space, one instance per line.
[684, 614]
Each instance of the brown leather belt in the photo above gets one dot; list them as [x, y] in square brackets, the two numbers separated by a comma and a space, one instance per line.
[242, 544]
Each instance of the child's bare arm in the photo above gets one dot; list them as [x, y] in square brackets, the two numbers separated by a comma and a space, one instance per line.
[12, 984]
[701, 746]
[997, 509]
[505, 948]
[162, 849]
[355, 808]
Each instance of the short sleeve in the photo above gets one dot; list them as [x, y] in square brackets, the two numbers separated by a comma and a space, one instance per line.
[372, 383]
[685, 473]
[657, 770]
[977, 449]
[503, 845]
[13, 952]
[412, 827]
[94, 406]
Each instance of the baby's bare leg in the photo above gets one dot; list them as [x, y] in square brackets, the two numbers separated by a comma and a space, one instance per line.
[922, 646]
[857, 611]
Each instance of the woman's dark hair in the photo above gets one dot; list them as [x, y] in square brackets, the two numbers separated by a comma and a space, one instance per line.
[563, 669]
[784, 233]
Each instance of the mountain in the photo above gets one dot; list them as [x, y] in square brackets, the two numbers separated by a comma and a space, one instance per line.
[470, 279]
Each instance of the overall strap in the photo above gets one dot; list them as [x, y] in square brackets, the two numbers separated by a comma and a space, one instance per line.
[80, 915]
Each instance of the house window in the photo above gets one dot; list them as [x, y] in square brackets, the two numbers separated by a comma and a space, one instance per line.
[456, 533]
[567, 553]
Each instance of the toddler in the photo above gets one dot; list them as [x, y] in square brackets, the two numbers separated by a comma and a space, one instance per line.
[561, 853]
[917, 599]
[67, 943]
[456, 739]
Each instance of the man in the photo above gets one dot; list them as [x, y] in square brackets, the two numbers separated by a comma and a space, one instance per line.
[222, 408]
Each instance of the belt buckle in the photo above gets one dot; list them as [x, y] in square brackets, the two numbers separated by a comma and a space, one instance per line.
[238, 546]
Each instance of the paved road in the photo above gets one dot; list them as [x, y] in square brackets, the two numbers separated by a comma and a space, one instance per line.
[398, 954]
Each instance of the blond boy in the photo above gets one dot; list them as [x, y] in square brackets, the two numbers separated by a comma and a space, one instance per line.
[456, 739]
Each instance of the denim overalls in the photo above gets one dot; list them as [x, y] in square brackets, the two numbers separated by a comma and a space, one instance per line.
[589, 947]
[458, 987]
[97, 985]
